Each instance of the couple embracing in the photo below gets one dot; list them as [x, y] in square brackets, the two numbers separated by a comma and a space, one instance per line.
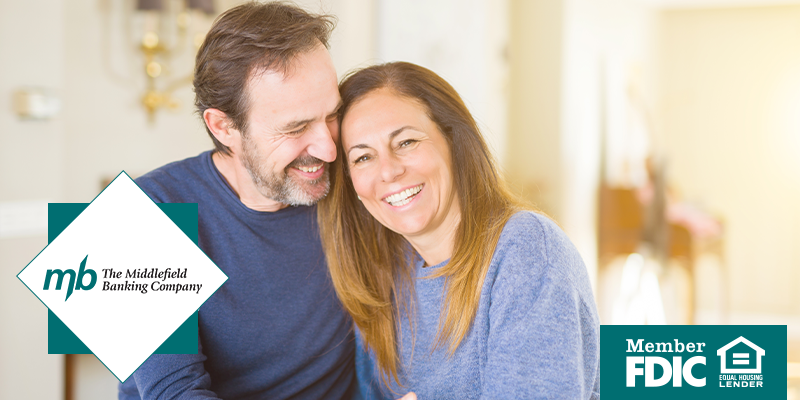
[372, 247]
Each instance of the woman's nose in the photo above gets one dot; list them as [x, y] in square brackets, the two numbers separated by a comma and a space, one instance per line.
[391, 168]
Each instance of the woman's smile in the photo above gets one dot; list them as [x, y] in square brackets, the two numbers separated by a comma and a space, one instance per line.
[403, 197]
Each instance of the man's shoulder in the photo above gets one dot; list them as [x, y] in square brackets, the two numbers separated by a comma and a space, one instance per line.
[173, 182]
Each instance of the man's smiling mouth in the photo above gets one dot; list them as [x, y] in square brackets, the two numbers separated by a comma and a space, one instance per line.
[309, 169]
[404, 197]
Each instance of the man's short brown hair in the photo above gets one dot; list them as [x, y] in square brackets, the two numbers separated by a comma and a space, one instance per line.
[252, 37]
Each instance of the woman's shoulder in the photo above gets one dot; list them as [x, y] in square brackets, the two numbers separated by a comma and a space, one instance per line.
[532, 246]
[537, 235]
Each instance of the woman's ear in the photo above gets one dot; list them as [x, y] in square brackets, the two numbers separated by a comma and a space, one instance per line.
[221, 127]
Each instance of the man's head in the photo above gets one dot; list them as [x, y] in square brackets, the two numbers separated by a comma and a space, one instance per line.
[267, 90]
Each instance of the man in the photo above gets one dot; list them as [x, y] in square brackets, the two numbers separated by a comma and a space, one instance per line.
[267, 91]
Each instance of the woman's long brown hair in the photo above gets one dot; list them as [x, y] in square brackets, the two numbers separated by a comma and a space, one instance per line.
[372, 266]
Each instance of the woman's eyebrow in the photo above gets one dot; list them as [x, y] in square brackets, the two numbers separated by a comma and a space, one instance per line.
[392, 135]
[358, 146]
[399, 130]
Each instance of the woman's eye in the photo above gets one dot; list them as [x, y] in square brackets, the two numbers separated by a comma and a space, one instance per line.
[407, 142]
[361, 159]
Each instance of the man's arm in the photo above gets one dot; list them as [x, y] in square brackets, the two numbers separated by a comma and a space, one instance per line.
[169, 376]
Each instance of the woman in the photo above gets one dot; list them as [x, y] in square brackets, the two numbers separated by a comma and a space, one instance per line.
[456, 291]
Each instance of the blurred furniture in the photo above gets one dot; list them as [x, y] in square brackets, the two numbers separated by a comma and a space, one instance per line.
[69, 376]
[621, 223]
[622, 230]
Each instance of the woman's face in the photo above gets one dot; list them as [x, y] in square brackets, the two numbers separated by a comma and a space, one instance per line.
[400, 164]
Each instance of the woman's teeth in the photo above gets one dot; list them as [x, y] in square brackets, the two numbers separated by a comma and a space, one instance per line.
[404, 197]
[309, 169]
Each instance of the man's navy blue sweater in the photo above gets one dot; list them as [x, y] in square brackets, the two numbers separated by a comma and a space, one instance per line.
[275, 329]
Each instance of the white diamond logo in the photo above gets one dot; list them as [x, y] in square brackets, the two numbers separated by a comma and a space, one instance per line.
[122, 276]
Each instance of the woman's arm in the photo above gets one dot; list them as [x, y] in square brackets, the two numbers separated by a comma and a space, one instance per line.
[544, 332]
[541, 344]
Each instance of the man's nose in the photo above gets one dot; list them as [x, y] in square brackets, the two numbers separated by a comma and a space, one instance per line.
[321, 143]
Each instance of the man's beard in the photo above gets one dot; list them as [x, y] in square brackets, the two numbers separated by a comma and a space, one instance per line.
[282, 187]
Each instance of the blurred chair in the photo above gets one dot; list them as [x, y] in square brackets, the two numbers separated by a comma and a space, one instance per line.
[626, 225]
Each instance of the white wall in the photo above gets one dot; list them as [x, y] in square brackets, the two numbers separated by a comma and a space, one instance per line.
[607, 45]
[571, 61]
[106, 127]
[533, 162]
[31, 168]
[731, 90]
[354, 42]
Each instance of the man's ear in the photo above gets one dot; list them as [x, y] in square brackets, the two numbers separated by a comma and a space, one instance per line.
[219, 124]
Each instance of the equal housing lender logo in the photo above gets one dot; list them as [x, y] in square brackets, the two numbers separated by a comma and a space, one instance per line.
[693, 362]
[122, 277]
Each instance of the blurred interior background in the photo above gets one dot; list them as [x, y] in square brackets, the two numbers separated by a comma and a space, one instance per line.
[662, 135]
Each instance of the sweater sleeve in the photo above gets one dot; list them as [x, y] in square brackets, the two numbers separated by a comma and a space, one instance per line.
[367, 373]
[543, 340]
[169, 376]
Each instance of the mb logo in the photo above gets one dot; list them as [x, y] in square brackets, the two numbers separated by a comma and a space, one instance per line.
[75, 282]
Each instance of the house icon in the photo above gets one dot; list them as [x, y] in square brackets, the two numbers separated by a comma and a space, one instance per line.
[745, 355]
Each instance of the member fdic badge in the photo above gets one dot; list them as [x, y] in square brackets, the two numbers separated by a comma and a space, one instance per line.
[122, 277]
[693, 362]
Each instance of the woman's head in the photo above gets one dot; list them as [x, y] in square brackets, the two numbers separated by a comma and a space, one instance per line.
[408, 143]
[399, 104]
[400, 166]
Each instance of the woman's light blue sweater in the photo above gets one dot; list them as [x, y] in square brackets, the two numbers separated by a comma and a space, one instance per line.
[535, 335]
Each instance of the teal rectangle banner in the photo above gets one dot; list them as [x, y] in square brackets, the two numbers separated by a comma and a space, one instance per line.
[693, 362]
[61, 340]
